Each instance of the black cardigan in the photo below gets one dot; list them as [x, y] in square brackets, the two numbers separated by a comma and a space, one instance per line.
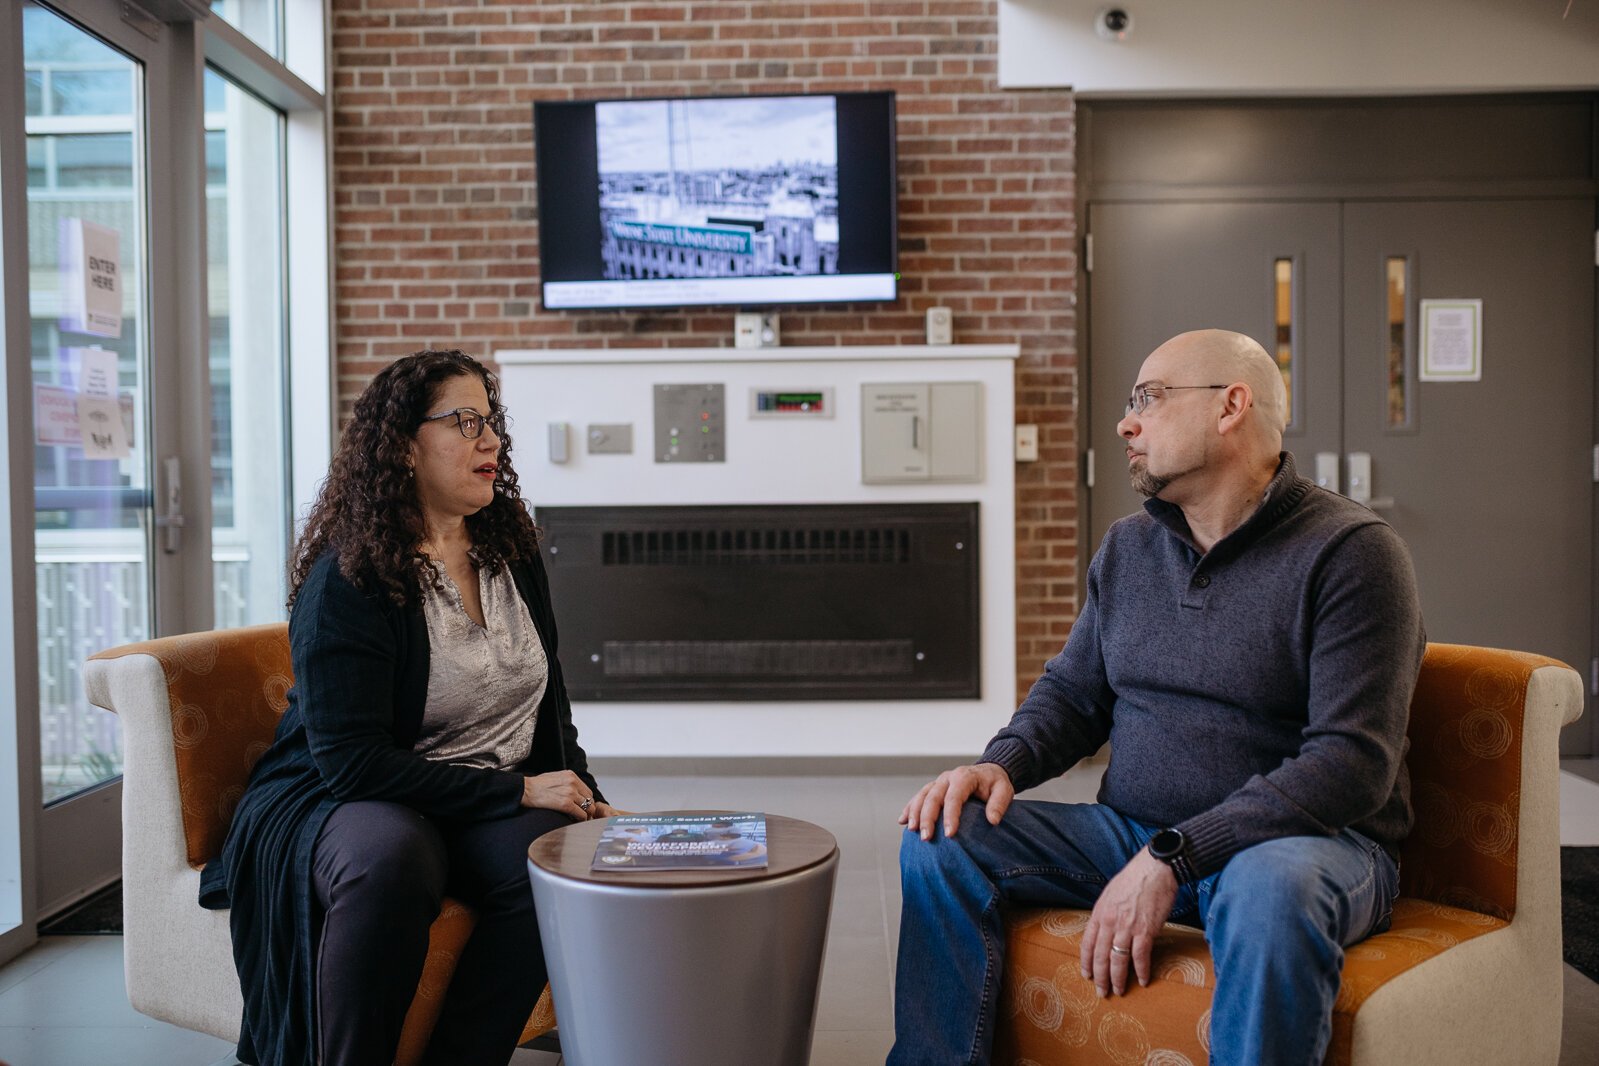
[354, 713]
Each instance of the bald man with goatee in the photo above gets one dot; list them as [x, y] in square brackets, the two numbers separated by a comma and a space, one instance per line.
[1248, 646]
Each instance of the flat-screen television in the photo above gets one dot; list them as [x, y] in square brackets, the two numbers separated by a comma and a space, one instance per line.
[743, 200]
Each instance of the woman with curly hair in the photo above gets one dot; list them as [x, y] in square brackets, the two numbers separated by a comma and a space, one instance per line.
[427, 741]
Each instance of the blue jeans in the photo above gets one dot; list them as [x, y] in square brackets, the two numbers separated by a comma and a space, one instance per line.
[1278, 917]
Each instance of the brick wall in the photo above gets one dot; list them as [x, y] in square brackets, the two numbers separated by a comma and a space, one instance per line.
[437, 241]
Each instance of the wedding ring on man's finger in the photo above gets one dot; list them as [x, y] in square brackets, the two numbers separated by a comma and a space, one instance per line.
[1117, 949]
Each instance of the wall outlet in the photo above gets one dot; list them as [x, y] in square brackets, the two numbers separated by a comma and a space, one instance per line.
[940, 325]
[752, 329]
[1027, 443]
[746, 330]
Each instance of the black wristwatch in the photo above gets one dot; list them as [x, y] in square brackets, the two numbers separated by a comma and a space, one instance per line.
[1171, 848]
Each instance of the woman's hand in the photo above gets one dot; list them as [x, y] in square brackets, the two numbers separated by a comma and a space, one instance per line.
[603, 810]
[563, 791]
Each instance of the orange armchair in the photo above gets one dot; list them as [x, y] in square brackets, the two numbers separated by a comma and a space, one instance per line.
[1470, 970]
[197, 712]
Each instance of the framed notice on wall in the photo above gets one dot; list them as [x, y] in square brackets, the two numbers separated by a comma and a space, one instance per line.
[1451, 340]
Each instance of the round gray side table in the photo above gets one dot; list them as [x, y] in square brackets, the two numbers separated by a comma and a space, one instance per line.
[685, 967]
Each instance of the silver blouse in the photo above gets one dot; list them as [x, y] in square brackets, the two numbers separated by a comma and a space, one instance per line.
[484, 682]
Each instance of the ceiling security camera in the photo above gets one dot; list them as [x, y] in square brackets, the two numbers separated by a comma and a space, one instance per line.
[1113, 23]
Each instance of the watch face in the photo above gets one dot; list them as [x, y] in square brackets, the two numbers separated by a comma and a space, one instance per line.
[1166, 844]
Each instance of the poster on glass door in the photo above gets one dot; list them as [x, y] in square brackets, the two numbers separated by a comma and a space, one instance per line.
[99, 409]
[91, 278]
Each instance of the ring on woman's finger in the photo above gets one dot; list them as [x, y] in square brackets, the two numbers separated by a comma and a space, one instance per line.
[586, 804]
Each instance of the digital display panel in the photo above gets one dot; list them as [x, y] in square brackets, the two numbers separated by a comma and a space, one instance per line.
[748, 201]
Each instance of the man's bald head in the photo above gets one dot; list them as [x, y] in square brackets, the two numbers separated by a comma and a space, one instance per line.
[1224, 357]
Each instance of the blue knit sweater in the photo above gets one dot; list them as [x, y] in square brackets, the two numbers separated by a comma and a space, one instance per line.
[1259, 690]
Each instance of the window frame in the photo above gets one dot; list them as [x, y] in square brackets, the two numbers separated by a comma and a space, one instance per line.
[175, 55]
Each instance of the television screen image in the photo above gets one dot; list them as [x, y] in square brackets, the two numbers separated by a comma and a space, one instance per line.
[754, 200]
[718, 188]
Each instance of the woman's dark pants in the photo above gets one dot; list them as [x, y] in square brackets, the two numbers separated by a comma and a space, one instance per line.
[380, 873]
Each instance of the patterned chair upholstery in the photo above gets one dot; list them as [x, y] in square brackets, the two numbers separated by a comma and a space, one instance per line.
[197, 712]
[1470, 970]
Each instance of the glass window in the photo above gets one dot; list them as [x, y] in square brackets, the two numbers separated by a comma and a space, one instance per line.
[87, 91]
[38, 163]
[216, 155]
[85, 161]
[214, 92]
[249, 450]
[259, 20]
[92, 549]
[33, 90]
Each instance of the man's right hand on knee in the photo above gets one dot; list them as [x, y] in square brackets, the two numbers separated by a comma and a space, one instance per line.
[947, 793]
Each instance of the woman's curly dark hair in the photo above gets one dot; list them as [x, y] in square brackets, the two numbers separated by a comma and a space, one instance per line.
[368, 511]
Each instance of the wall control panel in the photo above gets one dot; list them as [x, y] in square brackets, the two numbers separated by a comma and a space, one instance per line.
[791, 403]
[610, 438]
[690, 423]
[921, 431]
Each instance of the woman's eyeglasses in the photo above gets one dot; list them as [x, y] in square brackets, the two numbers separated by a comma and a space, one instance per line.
[470, 423]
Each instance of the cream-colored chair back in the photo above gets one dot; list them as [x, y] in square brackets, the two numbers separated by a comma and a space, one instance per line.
[197, 710]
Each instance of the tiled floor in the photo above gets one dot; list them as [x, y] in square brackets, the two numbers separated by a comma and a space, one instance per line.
[62, 1003]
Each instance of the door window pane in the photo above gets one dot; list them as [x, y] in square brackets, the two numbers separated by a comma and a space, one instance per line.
[1397, 274]
[1283, 303]
[249, 454]
[86, 226]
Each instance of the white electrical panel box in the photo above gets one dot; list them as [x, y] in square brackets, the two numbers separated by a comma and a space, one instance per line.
[919, 431]
[956, 421]
[894, 442]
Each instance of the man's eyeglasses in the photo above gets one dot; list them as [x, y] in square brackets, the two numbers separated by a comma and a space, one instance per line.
[470, 423]
[1145, 395]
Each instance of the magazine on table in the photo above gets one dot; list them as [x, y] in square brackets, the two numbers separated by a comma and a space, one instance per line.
[683, 842]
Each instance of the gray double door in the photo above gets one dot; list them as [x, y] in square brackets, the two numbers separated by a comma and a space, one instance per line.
[1492, 482]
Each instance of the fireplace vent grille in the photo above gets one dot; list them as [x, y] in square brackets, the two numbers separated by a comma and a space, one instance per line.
[757, 658]
[746, 547]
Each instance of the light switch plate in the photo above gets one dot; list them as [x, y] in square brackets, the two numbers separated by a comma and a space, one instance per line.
[1027, 443]
[747, 329]
[611, 438]
[753, 329]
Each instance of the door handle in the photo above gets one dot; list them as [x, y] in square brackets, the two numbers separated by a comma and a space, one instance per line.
[170, 521]
[1327, 470]
[1360, 476]
[1360, 483]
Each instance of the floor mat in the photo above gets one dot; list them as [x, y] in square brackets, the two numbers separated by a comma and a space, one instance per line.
[1579, 908]
[99, 915]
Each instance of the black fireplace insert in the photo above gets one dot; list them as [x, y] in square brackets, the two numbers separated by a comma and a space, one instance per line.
[779, 602]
